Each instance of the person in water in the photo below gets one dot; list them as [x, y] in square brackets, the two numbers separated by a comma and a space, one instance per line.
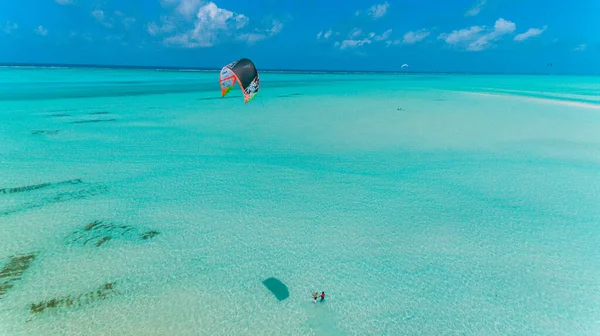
[315, 296]
[322, 296]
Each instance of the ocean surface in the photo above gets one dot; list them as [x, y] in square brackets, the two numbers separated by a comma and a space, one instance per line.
[140, 202]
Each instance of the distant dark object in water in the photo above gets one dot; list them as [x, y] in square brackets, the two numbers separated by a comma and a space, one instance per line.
[99, 113]
[91, 121]
[400, 109]
[219, 98]
[278, 288]
[37, 186]
[290, 95]
[49, 132]
[59, 115]
[13, 271]
[440, 99]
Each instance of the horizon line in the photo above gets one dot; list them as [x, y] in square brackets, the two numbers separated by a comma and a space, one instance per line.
[166, 67]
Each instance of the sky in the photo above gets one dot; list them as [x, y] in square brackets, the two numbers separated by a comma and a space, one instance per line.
[519, 36]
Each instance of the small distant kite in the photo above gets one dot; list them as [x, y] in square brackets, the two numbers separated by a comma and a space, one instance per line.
[245, 74]
[404, 66]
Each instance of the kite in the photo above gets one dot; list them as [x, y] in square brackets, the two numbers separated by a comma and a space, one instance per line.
[403, 66]
[245, 74]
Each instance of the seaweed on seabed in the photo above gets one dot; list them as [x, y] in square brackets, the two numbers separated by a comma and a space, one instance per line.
[57, 198]
[74, 300]
[98, 233]
[37, 186]
[149, 234]
[59, 115]
[92, 121]
[290, 95]
[49, 132]
[13, 271]
[92, 225]
[102, 241]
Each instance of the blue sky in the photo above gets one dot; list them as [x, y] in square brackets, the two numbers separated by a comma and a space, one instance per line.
[430, 35]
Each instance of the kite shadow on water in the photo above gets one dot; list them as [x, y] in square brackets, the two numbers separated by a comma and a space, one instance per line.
[277, 288]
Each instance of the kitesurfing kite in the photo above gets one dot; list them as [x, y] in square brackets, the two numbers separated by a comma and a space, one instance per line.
[404, 66]
[245, 74]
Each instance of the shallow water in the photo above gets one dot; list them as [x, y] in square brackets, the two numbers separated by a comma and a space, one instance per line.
[472, 210]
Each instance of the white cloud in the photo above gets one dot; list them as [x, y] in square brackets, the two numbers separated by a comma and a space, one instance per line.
[212, 24]
[386, 35]
[204, 24]
[188, 8]
[324, 34]
[110, 21]
[99, 15]
[473, 39]
[459, 36]
[9, 27]
[184, 8]
[211, 21]
[276, 28]
[125, 20]
[354, 43]
[474, 11]
[532, 32]
[356, 37]
[413, 37]
[40, 30]
[377, 11]
[153, 28]
[354, 33]
[354, 40]
[502, 27]
[390, 42]
[581, 47]
[257, 36]
[167, 25]
[64, 2]
[251, 38]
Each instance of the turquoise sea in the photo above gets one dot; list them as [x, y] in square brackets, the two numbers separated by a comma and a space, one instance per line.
[139, 202]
